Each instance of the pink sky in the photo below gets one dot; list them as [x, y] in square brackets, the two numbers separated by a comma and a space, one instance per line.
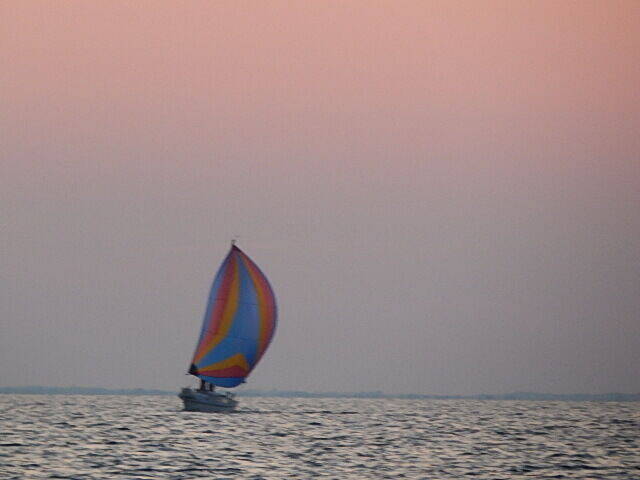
[333, 75]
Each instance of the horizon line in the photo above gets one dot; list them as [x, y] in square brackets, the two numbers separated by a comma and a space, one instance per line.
[516, 395]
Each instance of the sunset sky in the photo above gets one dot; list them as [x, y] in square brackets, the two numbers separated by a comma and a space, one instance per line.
[445, 195]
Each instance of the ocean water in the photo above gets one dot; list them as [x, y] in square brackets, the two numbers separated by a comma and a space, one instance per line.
[142, 437]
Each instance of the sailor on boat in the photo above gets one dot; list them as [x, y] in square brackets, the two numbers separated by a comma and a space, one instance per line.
[205, 387]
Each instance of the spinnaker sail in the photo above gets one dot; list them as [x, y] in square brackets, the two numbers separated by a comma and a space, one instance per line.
[238, 324]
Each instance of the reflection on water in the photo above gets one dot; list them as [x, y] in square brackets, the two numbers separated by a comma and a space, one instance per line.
[97, 437]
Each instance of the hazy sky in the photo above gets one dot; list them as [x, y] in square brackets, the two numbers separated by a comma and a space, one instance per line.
[445, 195]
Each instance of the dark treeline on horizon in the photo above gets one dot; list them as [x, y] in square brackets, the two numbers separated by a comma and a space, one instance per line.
[602, 397]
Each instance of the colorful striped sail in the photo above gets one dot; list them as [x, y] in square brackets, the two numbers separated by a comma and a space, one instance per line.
[238, 325]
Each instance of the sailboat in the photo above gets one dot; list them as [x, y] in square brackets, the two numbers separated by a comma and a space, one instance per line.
[237, 328]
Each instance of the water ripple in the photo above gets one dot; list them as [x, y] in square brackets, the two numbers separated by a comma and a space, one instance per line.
[90, 437]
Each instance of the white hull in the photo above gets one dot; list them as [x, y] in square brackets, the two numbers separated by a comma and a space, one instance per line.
[201, 401]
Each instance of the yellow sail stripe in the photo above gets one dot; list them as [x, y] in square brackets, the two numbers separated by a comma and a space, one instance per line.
[227, 315]
[237, 360]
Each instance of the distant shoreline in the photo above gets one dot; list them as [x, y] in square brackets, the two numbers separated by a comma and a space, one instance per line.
[580, 397]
